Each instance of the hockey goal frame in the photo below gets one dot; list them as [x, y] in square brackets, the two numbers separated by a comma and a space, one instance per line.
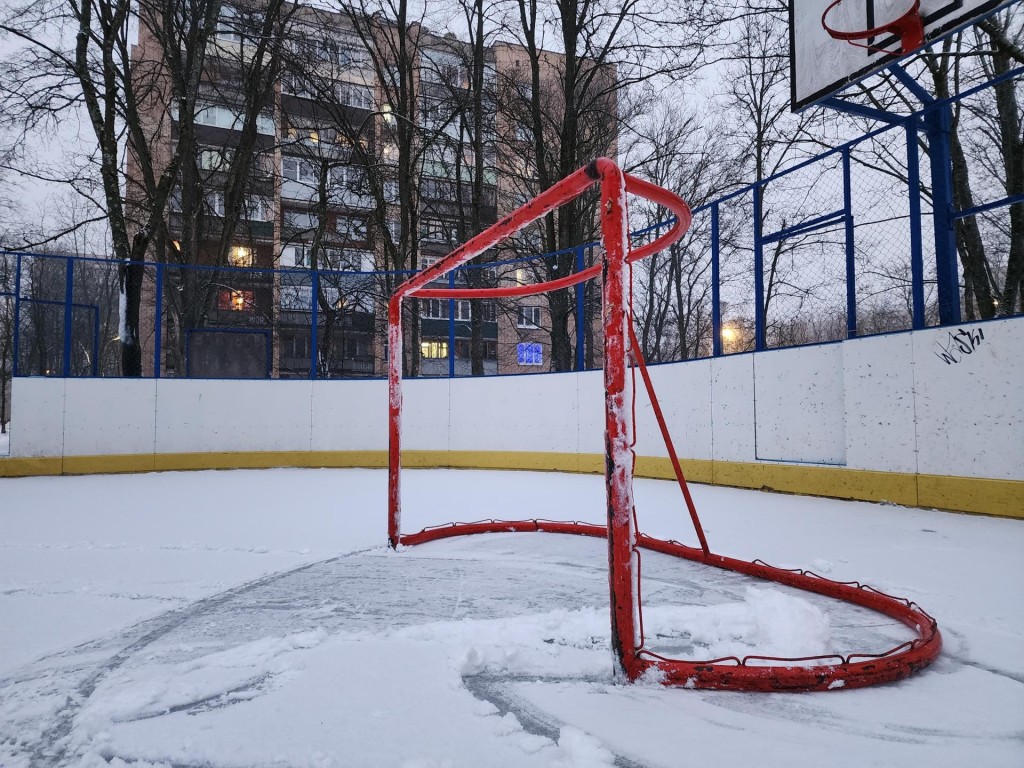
[621, 354]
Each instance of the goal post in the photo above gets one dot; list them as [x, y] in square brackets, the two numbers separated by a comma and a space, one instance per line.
[622, 356]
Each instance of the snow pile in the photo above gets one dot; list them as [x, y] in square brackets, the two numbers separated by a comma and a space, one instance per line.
[576, 643]
[769, 622]
[581, 750]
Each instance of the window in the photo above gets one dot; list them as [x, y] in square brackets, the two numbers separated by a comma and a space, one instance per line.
[297, 169]
[240, 256]
[529, 317]
[434, 350]
[464, 349]
[295, 85]
[303, 220]
[444, 67]
[356, 95]
[437, 230]
[339, 259]
[227, 25]
[342, 51]
[351, 227]
[234, 301]
[228, 117]
[296, 346]
[434, 309]
[463, 310]
[215, 202]
[356, 347]
[436, 113]
[215, 159]
[488, 311]
[253, 208]
[530, 354]
[258, 209]
[349, 177]
[298, 298]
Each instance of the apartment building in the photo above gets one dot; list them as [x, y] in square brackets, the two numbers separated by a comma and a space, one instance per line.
[292, 279]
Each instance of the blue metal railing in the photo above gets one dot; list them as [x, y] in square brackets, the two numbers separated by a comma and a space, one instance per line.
[931, 265]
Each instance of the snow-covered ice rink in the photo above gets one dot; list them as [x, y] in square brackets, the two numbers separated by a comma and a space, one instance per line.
[254, 618]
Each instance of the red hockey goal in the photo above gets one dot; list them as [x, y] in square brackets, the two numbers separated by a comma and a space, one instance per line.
[621, 354]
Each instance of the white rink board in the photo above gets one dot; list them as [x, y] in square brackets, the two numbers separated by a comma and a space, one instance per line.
[684, 392]
[971, 411]
[99, 412]
[798, 404]
[219, 415]
[888, 403]
[426, 415]
[522, 413]
[878, 376]
[40, 401]
[821, 65]
[352, 412]
[732, 409]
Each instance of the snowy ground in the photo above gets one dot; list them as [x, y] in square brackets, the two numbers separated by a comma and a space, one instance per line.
[253, 618]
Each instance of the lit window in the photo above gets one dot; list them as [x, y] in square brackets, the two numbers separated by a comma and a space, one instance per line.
[234, 301]
[434, 350]
[530, 354]
[529, 317]
[240, 256]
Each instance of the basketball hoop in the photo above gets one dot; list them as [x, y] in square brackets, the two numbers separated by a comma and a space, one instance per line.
[909, 28]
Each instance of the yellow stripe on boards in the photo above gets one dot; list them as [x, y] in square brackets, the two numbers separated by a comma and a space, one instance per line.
[1004, 498]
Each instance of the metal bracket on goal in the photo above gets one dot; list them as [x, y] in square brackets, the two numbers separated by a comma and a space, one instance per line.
[632, 658]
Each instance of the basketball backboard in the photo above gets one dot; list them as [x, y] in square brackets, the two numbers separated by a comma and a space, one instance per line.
[821, 65]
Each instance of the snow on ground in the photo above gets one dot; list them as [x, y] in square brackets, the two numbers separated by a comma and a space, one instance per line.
[252, 618]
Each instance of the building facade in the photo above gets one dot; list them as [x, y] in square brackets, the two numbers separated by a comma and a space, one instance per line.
[315, 180]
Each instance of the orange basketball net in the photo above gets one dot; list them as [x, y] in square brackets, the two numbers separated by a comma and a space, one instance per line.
[909, 28]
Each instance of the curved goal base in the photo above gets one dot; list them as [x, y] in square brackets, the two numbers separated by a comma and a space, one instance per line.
[751, 673]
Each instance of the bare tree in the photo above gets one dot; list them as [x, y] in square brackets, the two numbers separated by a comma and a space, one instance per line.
[672, 301]
[572, 106]
[74, 56]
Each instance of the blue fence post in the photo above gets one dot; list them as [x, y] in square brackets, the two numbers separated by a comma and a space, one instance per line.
[451, 328]
[851, 265]
[916, 240]
[158, 321]
[69, 293]
[759, 313]
[581, 313]
[17, 314]
[314, 321]
[96, 342]
[938, 126]
[716, 290]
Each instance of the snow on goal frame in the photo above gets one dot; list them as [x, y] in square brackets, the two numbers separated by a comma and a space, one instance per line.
[621, 354]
